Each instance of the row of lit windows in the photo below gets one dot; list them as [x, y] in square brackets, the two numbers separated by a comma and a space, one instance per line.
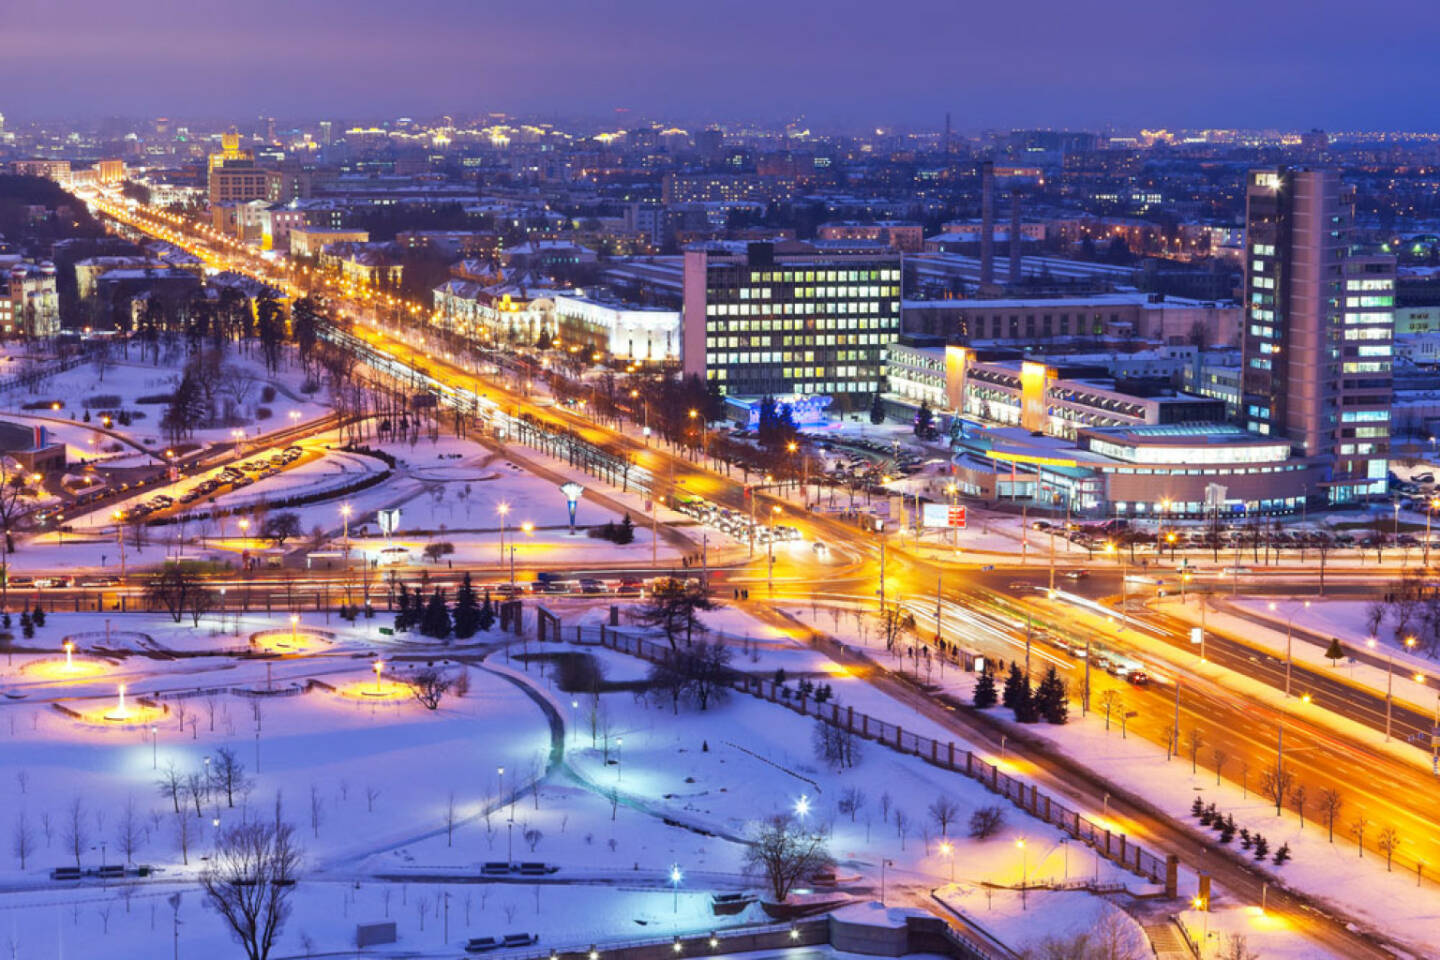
[816, 293]
[821, 276]
[788, 326]
[791, 309]
[817, 340]
[785, 356]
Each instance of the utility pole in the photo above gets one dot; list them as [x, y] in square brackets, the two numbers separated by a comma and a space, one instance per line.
[881, 527]
[1085, 699]
[1176, 733]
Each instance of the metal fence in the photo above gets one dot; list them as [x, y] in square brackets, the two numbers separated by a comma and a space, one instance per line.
[1111, 845]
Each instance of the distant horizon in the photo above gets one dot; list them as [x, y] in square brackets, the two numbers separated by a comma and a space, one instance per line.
[845, 65]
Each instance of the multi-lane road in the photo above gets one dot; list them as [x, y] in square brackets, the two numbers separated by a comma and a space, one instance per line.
[971, 604]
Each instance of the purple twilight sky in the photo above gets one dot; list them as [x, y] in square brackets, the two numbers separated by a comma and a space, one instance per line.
[1286, 63]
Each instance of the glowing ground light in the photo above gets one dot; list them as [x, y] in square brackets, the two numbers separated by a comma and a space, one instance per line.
[120, 712]
[71, 668]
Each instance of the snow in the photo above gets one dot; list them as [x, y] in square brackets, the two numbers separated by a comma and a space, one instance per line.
[1026, 921]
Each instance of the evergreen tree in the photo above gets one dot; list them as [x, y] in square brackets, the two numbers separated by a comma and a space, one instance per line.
[467, 610]
[1026, 710]
[985, 690]
[877, 410]
[1050, 699]
[402, 610]
[436, 622]
[1334, 653]
[1014, 681]
[487, 614]
[26, 626]
[626, 532]
[38, 615]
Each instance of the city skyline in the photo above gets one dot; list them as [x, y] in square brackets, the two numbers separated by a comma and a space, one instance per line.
[1131, 67]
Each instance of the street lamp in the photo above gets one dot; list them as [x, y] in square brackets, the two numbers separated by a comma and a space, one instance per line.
[675, 877]
[573, 492]
[1024, 869]
[770, 574]
[345, 518]
[947, 850]
[379, 668]
[802, 807]
[503, 509]
[1289, 632]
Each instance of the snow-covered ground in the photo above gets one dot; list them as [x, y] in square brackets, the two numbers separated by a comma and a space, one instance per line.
[650, 790]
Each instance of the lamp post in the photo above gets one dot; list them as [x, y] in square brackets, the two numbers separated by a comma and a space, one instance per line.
[675, 877]
[947, 850]
[770, 567]
[619, 759]
[1024, 869]
[1289, 636]
[154, 747]
[503, 509]
[572, 492]
[379, 668]
[1434, 505]
[345, 519]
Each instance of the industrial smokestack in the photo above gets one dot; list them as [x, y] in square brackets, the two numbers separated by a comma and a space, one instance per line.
[1014, 238]
[987, 223]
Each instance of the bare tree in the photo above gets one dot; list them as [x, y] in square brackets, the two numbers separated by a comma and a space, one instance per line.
[171, 588]
[902, 825]
[944, 811]
[195, 788]
[1275, 785]
[784, 853]
[201, 600]
[852, 800]
[229, 774]
[250, 881]
[1357, 830]
[1218, 756]
[836, 746]
[533, 836]
[22, 839]
[985, 822]
[1388, 840]
[429, 685]
[1194, 740]
[76, 836]
[1298, 796]
[317, 810]
[1236, 948]
[128, 831]
[1330, 805]
[1110, 703]
[182, 834]
[372, 793]
[171, 784]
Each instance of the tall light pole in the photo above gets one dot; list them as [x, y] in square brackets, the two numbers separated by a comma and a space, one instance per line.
[1434, 505]
[503, 509]
[947, 850]
[1024, 869]
[675, 877]
[770, 571]
[1289, 637]
[345, 519]
[880, 529]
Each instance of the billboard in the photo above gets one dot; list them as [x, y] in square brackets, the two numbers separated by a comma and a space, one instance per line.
[942, 515]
